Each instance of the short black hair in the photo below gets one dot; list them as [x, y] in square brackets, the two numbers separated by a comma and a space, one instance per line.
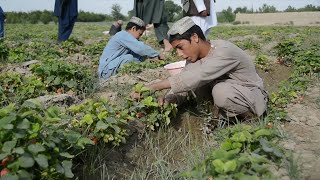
[187, 35]
[131, 24]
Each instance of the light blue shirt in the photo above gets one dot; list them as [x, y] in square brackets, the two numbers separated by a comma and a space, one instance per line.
[123, 43]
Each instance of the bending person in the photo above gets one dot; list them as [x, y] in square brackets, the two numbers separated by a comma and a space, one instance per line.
[124, 47]
[115, 27]
[217, 69]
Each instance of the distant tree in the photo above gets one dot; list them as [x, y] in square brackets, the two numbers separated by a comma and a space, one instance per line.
[116, 12]
[290, 9]
[267, 9]
[130, 13]
[226, 15]
[90, 17]
[108, 18]
[33, 17]
[310, 7]
[173, 10]
[46, 17]
[242, 10]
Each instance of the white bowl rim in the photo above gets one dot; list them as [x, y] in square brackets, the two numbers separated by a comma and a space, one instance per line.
[180, 64]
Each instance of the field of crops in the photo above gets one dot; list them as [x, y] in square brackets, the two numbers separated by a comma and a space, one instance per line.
[58, 121]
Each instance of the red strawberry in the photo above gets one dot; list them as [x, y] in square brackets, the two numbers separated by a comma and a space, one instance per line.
[95, 140]
[4, 172]
[59, 91]
[5, 161]
[139, 114]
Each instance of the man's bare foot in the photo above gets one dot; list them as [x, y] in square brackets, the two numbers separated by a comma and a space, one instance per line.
[167, 45]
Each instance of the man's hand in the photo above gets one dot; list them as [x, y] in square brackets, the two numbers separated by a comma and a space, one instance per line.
[161, 56]
[161, 100]
[203, 13]
[135, 95]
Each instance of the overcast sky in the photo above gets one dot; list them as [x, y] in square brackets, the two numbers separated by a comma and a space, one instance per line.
[104, 6]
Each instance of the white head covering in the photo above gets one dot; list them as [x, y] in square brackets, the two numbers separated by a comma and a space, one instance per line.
[181, 26]
[137, 21]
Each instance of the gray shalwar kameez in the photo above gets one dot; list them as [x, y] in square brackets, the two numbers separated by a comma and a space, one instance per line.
[236, 86]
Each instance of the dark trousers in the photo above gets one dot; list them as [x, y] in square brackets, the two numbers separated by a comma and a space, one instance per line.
[65, 28]
[161, 29]
[1, 28]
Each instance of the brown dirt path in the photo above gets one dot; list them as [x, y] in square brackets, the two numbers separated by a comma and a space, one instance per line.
[303, 133]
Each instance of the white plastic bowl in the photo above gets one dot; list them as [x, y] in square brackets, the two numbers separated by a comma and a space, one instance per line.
[176, 67]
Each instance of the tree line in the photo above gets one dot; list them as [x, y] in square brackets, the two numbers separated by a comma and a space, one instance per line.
[174, 12]
[229, 15]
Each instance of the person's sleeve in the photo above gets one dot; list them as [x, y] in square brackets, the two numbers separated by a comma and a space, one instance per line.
[138, 47]
[202, 73]
[200, 5]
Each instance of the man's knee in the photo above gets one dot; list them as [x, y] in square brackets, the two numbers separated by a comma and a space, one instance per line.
[129, 58]
[225, 97]
[220, 94]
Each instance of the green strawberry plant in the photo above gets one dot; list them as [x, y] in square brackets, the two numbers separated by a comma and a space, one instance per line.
[248, 44]
[16, 88]
[71, 46]
[58, 74]
[98, 120]
[18, 54]
[308, 61]
[245, 154]
[287, 49]
[262, 62]
[4, 51]
[95, 49]
[37, 143]
[147, 109]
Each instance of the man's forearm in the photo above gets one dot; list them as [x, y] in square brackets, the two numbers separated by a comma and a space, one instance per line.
[164, 84]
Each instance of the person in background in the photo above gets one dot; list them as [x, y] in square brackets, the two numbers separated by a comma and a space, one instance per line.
[125, 47]
[115, 27]
[217, 69]
[2, 21]
[67, 13]
[202, 13]
[153, 12]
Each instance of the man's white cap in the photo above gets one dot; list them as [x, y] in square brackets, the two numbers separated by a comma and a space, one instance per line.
[181, 26]
[137, 21]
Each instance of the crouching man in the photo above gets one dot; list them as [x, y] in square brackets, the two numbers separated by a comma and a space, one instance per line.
[216, 68]
[125, 47]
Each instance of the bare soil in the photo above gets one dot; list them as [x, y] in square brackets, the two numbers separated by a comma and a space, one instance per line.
[303, 133]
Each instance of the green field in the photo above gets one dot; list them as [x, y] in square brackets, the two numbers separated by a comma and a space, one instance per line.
[70, 132]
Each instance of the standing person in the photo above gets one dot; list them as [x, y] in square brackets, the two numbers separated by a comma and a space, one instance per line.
[116, 27]
[67, 13]
[153, 12]
[202, 13]
[125, 47]
[218, 69]
[2, 20]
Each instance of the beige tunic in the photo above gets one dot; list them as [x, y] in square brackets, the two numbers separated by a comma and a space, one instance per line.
[236, 86]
